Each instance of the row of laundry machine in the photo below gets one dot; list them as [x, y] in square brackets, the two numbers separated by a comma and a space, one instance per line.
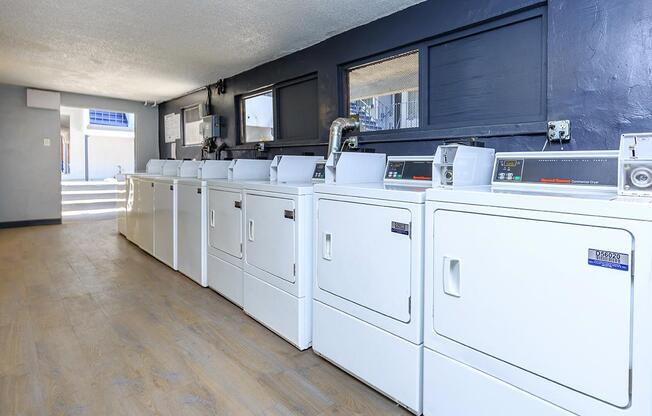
[464, 283]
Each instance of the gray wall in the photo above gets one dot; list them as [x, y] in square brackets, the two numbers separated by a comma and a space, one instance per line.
[30, 189]
[146, 121]
[30, 185]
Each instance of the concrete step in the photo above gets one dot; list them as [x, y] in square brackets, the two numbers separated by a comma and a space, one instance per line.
[78, 195]
[90, 215]
[91, 186]
[91, 204]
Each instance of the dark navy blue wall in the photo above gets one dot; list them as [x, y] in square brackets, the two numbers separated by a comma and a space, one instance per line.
[597, 68]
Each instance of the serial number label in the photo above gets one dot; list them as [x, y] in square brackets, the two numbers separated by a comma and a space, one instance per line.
[609, 259]
[400, 228]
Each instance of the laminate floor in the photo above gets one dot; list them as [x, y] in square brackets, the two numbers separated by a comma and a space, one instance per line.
[91, 325]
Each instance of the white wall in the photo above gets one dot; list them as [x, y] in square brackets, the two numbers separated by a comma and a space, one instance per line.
[77, 151]
[106, 153]
[146, 130]
[107, 147]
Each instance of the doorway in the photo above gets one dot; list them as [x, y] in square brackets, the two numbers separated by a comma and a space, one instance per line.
[97, 150]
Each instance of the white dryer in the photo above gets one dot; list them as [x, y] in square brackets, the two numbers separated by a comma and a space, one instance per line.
[278, 249]
[165, 209]
[368, 285]
[192, 222]
[132, 203]
[226, 226]
[538, 292]
[144, 197]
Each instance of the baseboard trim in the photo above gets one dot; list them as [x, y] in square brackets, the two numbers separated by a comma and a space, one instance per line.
[30, 223]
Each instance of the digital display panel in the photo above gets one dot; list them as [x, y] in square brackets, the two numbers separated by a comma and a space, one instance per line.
[590, 171]
[414, 170]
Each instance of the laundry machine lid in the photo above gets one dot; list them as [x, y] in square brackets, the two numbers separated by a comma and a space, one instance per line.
[383, 191]
[288, 188]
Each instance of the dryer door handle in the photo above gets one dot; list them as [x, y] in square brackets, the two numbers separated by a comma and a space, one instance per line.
[451, 274]
[250, 230]
[212, 218]
[327, 247]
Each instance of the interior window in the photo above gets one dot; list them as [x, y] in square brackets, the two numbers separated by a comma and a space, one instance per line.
[191, 126]
[385, 93]
[257, 117]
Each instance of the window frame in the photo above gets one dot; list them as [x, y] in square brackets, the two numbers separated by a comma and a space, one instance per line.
[108, 113]
[426, 131]
[240, 102]
[345, 102]
[183, 110]
[277, 111]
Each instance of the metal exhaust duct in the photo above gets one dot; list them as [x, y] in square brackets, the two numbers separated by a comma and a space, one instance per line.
[338, 126]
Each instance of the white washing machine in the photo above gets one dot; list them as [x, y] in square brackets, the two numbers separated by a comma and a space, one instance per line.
[538, 292]
[226, 227]
[165, 209]
[278, 249]
[192, 222]
[130, 222]
[368, 286]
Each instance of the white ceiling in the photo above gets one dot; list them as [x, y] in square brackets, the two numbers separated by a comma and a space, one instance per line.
[160, 49]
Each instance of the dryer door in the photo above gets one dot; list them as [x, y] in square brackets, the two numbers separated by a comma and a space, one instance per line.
[225, 221]
[364, 255]
[271, 237]
[537, 295]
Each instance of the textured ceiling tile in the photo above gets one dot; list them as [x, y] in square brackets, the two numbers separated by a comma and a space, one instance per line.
[159, 49]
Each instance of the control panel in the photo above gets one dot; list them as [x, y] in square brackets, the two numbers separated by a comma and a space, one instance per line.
[416, 169]
[575, 168]
[319, 174]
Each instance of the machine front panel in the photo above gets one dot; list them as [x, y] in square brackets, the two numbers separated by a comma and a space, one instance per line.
[364, 254]
[270, 235]
[587, 171]
[412, 170]
[549, 297]
[189, 231]
[225, 221]
[145, 238]
[164, 223]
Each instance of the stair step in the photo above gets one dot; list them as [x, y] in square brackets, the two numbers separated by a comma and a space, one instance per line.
[91, 204]
[78, 195]
[90, 187]
[92, 214]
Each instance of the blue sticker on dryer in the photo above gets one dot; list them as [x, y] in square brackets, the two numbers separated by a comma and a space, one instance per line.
[609, 259]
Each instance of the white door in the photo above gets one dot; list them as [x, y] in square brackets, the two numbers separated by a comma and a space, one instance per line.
[225, 221]
[271, 235]
[526, 292]
[146, 216]
[364, 255]
[189, 231]
[164, 222]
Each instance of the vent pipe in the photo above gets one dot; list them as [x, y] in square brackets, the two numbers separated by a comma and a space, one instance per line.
[339, 126]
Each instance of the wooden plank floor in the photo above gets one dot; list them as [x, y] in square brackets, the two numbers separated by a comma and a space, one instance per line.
[91, 325]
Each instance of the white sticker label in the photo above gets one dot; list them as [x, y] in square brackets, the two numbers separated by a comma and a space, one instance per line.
[609, 259]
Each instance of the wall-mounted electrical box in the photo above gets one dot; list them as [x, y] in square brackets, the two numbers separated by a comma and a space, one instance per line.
[210, 127]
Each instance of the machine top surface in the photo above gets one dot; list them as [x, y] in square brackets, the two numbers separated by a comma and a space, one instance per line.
[292, 188]
[376, 190]
[606, 203]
